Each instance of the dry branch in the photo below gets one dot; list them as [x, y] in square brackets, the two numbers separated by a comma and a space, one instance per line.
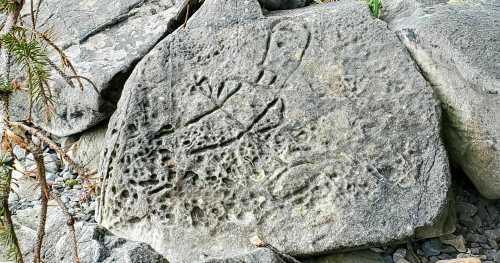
[70, 222]
[81, 171]
[38, 156]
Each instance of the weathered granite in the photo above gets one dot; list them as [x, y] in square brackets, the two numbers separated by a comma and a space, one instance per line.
[364, 256]
[260, 255]
[95, 244]
[86, 150]
[310, 128]
[457, 46]
[104, 40]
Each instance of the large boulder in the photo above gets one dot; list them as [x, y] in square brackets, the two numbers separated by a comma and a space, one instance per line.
[95, 244]
[312, 130]
[457, 46]
[104, 40]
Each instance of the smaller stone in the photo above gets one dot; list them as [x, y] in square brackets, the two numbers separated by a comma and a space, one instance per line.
[477, 222]
[364, 256]
[460, 260]
[491, 254]
[51, 177]
[444, 256]
[493, 212]
[475, 250]
[465, 210]
[493, 234]
[64, 199]
[19, 152]
[476, 238]
[497, 257]
[67, 175]
[377, 250]
[483, 213]
[432, 247]
[399, 255]
[493, 244]
[458, 242]
[51, 162]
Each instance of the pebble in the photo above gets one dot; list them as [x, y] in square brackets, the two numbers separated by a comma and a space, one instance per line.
[497, 257]
[432, 247]
[466, 210]
[458, 242]
[399, 255]
[68, 175]
[51, 177]
[460, 260]
[19, 152]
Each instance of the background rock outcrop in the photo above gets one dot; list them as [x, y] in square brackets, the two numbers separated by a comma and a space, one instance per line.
[457, 46]
[104, 40]
[311, 129]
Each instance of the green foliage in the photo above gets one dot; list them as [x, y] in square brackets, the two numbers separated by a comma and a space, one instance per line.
[7, 239]
[5, 169]
[6, 87]
[32, 57]
[375, 7]
[7, 234]
[71, 182]
[8, 6]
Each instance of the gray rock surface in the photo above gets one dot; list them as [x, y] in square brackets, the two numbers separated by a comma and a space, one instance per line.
[477, 231]
[350, 257]
[258, 256]
[86, 150]
[104, 40]
[457, 46]
[95, 244]
[311, 129]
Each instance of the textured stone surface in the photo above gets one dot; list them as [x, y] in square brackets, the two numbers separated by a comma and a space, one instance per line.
[351, 257]
[86, 150]
[257, 256]
[311, 129]
[458, 48]
[104, 40]
[395, 9]
[96, 245]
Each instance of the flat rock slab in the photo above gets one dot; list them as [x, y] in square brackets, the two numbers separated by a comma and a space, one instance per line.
[103, 40]
[310, 129]
[458, 48]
